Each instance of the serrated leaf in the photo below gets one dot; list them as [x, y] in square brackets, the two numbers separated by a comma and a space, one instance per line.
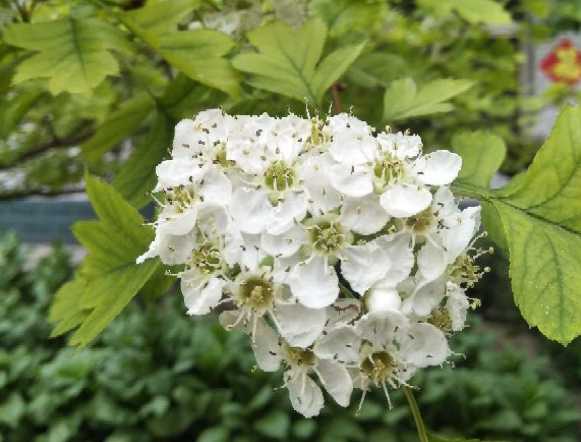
[121, 123]
[473, 11]
[163, 16]
[541, 216]
[348, 16]
[482, 155]
[73, 54]
[377, 69]
[197, 53]
[136, 178]
[538, 217]
[292, 66]
[403, 99]
[108, 277]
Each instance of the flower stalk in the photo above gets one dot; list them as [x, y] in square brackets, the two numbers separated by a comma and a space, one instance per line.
[420, 426]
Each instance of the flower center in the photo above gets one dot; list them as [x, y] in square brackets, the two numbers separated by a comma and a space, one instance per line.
[388, 170]
[221, 159]
[279, 176]
[441, 318]
[297, 356]
[207, 259]
[327, 237]
[180, 197]
[379, 367]
[256, 293]
[465, 271]
[421, 222]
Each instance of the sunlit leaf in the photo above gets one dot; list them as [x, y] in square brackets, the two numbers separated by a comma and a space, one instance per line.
[73, 54]
[293, 66]
[403, 99]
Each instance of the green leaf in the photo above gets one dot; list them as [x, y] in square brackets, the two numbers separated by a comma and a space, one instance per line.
[136, 178]
[540, 219]
[108, 277]
[120, 124]
[473, 11]
[73, 54]
[377, 69]
[403, 99]
[196, 53]
[163, 16]
[482, 155]
[348, 16]
[293, 66]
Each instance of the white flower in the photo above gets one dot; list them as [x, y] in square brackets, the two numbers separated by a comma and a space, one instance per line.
[300, 365]
[342, 253]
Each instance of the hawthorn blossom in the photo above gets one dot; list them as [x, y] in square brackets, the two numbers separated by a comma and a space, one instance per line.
[342, 252]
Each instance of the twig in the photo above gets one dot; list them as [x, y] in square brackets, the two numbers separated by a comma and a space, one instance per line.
[420, 426]
[18, 194]
[52, 144]
[336, 93]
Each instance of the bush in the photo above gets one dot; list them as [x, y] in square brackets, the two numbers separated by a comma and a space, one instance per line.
[157, 375]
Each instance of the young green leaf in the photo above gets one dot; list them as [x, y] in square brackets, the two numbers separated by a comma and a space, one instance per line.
[73, 54]
[540, 219]
[197, 53]
[163, 16]
[482, 155]
[136, 178]
[293, 66]
[348, 16]
[473, 11]
[403, 99]
[108, 278]
[120, 124]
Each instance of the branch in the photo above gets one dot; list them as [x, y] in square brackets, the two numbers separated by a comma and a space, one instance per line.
[18, 194]
[53, 144]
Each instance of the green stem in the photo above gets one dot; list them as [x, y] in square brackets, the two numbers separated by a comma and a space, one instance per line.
[420, 426]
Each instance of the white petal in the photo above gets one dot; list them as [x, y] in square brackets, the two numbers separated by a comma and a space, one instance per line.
[314, 283]
[285, 244]
[251, 210]
[457, 304]
[426, 297]
[339, 344]
[216, 188]
[380, 328]
[432, 261]
[171, 249]
[322, 196]
[364, 265]
[200, 296]
[305, 395]
[458, 237]
[299, 325]
[378, 300]
[438, 168]
[398, 248]
[350, 180]
[182, 171]
[266, 347]
[287, 213]
[424, 345]
[171, 222]
[363, 215]
[404, 200]
[336, 380]
[351, 148]
[343, 311]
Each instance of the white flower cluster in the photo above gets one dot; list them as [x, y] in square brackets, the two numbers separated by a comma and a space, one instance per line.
[339, 250]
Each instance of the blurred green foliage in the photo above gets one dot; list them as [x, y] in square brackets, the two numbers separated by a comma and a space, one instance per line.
[157, 375]
[111, 76]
